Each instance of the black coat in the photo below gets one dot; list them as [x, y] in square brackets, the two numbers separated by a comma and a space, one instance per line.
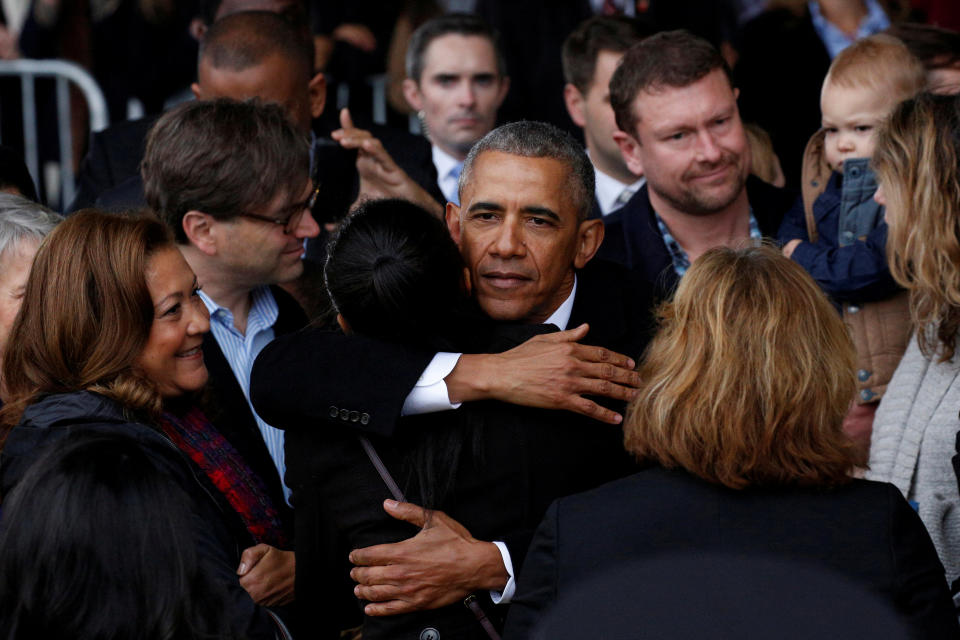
[514, 460]
[227, 408]
[864, 530]
[54, 417]
[633, 238]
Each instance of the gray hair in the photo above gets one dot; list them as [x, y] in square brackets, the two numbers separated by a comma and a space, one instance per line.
[21, 219]
[539, 140]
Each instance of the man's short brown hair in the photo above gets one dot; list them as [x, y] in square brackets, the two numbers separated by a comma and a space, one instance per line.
[221, 157]
[596, 34]
[667, 59]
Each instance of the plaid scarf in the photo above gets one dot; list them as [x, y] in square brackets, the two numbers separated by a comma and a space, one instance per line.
[199, 439]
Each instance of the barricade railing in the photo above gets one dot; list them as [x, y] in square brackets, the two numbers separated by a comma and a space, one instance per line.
[63, 72]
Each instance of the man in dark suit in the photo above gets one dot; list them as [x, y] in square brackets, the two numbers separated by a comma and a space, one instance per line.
[676, 110]
[590, 55]
[240, 220]
[523, 232]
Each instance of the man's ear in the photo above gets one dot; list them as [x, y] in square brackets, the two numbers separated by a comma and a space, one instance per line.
[574, 101]
[453, 222]
[318, 94]
[504, 89]
[195, 90]
[197, 29]
[590, 237]
[200, 230]
[630, 150]
[412, 93]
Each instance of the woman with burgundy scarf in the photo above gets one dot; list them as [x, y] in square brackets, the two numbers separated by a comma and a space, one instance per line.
[108, 340]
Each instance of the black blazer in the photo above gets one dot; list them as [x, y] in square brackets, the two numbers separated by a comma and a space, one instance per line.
[227, 407]
[633, 238]
[865, 531]
[515, 460]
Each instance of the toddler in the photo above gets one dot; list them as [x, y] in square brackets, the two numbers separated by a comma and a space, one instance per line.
[836, 230]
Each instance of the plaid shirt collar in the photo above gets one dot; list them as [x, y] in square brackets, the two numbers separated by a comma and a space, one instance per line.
[681, 262]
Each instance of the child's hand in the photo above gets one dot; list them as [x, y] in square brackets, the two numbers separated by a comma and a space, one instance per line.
[790, 246]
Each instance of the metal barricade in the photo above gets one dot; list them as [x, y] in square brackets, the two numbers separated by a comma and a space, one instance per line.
[63, 72]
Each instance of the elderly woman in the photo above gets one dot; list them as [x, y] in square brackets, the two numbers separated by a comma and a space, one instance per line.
[917, 162]
[740, 411]
[23, 224]
[108, 340]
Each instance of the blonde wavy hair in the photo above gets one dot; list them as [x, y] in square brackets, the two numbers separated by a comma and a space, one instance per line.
[749, 378]
[916, 163]
[86, 315]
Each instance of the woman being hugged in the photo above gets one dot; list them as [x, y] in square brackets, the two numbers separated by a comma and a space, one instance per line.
[108, 340]
[917, 162]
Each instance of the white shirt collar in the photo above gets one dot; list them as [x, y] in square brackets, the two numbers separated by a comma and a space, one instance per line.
[609, 189]
[444, 162]
[561, 317]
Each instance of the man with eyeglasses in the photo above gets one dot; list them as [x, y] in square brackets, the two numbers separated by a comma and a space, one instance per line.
[231, 179]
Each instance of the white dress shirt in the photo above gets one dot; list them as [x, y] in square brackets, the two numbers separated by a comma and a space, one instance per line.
[609, 191]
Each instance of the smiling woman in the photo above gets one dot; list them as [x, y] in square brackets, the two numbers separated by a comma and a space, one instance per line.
[108, 340]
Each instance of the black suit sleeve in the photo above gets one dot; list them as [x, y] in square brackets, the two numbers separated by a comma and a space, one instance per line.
[316, 376]
[537, 583]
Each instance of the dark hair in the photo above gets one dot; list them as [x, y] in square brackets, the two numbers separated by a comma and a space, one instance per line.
[243, 40]
[14, 173]
[393, 272]
[668, 59]
[86, 314]
[596, 34]
[221, 157]
[463, 24]
[540, 140]
[934, 47]
[96, 543]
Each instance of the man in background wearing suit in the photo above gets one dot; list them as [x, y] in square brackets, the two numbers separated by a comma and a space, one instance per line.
[590, 56]
[456, 81]
[679, 125]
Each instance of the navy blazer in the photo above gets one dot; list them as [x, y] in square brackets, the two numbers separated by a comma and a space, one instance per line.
[633, 238]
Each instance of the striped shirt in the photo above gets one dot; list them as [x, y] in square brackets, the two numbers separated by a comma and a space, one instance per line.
[241, 350]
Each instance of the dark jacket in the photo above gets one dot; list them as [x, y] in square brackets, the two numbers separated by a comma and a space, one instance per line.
[514, 461]
[864, 530]
[633, 238]
[54, 417]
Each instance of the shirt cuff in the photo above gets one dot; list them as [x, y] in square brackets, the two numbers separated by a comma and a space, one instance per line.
[505, 596]
[430, 393]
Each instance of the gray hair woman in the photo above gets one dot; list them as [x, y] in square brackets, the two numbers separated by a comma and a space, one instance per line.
[23, 225]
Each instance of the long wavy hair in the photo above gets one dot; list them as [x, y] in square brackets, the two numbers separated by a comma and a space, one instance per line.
[748, 380]
[86, 315]
[916, 162]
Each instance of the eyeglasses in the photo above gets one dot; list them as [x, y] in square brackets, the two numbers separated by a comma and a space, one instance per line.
[291, 222]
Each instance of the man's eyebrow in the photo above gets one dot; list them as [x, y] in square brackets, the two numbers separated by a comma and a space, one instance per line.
[485, 206]
[542, 211]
